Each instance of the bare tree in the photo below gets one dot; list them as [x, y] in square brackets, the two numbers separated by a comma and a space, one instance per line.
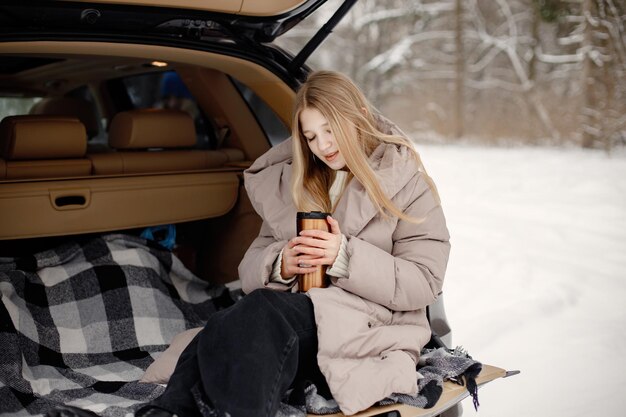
[459, 114]
[595, 28]
[604, 64]
[529, 68]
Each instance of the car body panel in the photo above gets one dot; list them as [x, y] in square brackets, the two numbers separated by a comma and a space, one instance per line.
[144, 17]
[239, 7]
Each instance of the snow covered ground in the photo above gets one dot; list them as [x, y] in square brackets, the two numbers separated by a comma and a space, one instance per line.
[537, 274]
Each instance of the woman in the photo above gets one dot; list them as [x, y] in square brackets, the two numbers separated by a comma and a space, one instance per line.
[359, 339]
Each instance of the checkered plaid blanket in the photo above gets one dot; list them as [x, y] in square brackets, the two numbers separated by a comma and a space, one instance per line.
[80, 324]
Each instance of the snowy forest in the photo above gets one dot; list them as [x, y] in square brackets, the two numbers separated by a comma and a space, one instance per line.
[497, 71]
[518, 110]
[535, 280]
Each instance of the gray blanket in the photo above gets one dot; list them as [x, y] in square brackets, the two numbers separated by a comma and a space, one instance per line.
[435, 367]
[80, 324]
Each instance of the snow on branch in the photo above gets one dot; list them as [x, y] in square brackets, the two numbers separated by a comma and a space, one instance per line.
[510, 20]
[396, 55]
[595, 55]
[559, 59]
[591, 130]
[571, 18]
[485, 60]
[571, 39]
[429, 74]
[494, 83]
[379, 16]
[418, 9]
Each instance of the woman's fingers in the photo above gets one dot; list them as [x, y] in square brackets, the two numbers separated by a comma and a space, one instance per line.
[314, 242]
[310, 250]
[304, 270]
[301, 265]
[334, 225]
[319, 247]
[316, 234]
[295, 262]
[315, 262]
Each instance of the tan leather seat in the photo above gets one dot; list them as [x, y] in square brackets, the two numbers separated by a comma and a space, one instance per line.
[39, 146]
[154, 140]
[81, 109]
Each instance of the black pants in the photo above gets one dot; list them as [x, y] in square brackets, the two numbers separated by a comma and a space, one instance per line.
[247, 357]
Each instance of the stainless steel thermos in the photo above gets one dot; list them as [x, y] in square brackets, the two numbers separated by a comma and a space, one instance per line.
[306, 221]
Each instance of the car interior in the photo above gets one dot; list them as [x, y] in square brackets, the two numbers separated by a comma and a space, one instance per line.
[90, 143]
[86, 158]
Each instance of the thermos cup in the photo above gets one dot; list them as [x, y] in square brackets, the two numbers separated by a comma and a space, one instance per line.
[306, 221]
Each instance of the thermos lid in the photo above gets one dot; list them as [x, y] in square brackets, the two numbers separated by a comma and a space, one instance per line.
[312, 215]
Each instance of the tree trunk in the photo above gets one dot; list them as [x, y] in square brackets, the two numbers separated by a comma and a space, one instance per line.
[459, 116]
[588, 105]
[532, 63]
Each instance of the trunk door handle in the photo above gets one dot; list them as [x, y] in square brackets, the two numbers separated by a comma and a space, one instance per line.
[75, 199]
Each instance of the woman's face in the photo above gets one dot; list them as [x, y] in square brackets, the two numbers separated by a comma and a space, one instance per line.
[320, 139]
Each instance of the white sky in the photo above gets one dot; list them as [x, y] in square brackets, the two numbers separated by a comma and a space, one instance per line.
[537, 274]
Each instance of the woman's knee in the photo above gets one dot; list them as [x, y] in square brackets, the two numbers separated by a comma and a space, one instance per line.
[260, 300]
[260, 296]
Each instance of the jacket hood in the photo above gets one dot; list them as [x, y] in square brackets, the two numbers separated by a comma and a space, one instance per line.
[279, 154]
[268, 183]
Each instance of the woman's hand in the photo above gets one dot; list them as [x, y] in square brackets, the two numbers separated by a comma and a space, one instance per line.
[294, 261]
[321, 246]
[303, 253]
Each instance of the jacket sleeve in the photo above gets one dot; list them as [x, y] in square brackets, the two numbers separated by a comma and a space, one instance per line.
[411, 276]
[255, 269]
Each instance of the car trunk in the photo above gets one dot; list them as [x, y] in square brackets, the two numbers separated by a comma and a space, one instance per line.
[207, 41]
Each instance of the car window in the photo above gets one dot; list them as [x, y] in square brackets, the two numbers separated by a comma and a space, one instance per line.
[274, 129]
[84, 93]
[87, 112]
[167, 90]
[12, 106]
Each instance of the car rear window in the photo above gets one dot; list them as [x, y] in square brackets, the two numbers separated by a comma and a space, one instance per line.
[12, 106]
[274, 129]
[167, 90]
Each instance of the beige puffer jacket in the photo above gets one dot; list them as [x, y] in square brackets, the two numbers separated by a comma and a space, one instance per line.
[371, 325]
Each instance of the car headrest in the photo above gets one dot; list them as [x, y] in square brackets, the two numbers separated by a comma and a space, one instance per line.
[70, 107]
[42, 137]
[152, 128]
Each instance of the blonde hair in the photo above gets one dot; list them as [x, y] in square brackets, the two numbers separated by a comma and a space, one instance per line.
[346, 109]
